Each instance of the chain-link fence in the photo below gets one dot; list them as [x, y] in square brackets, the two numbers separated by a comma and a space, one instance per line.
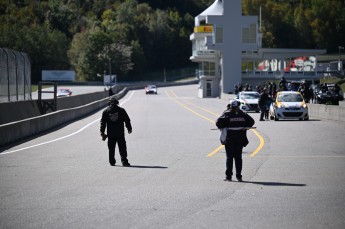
[15, 76]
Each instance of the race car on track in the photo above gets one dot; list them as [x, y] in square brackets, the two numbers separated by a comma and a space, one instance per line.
[289, 105]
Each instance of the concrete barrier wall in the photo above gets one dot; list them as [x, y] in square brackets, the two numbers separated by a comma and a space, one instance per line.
[18, 110]
[328, 112]
[14, 131]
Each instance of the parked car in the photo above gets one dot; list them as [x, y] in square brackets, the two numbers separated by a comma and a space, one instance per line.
[328, 98]
[248, 100]
[329, 94]
[289, 105]
[337, 90]
[63, 92]
[151, 89]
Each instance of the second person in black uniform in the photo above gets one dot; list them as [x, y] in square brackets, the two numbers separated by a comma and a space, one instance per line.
[235, 139]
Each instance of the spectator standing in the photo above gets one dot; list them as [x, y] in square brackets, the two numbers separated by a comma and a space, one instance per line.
[263, 100]
[235, 139]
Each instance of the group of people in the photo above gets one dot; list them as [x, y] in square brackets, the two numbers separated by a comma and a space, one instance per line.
[239, 87]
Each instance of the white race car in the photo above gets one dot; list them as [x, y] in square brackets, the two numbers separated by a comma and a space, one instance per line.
[151, 89]
[248, 100]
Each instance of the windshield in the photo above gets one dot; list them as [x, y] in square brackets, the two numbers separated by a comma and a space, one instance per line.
[250, 96]
[294, 86]
[290, 98]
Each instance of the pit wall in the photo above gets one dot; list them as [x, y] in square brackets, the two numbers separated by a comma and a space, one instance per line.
[328, 112]
[14, 131]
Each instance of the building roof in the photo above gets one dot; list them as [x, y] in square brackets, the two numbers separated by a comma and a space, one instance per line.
[215, 9]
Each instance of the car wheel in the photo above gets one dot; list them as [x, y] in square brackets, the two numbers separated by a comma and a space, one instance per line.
[276, 118]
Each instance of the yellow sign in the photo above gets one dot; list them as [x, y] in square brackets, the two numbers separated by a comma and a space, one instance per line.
[203, 29]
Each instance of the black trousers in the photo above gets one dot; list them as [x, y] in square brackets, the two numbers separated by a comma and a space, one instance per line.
[233, 153]
[121, 141]
[262, 112]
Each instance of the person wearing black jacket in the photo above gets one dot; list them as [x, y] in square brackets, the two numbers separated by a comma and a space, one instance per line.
[113, 119]
[235, 139]
[263, 100]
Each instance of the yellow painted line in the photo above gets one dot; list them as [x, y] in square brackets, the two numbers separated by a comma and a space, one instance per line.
[256, 151]
[261, 139]
[291, 157]
[262, 143]
[296, 156]
[215, 151]
[194, 112]
[201, 108]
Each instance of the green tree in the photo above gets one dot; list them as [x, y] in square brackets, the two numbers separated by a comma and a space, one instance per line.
[118, 56]
[328, 24]
[88, 63]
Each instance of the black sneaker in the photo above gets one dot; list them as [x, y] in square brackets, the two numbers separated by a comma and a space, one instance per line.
[227, 179]
[112, 164]
[126, 164]
[239, 179]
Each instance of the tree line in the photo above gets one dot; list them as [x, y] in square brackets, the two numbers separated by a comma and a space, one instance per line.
[138, 36]
[309, 24]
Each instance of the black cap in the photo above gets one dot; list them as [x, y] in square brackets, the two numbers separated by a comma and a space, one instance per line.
[113, 101]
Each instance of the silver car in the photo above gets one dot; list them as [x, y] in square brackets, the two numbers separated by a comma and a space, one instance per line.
[151, 89]
[289, 105]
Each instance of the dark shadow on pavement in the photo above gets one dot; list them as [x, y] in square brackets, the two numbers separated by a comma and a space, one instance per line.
[313, 120]
[147, 167]
[294, 120]
[274, 183]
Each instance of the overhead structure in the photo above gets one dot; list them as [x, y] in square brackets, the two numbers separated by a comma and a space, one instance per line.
[224, 41]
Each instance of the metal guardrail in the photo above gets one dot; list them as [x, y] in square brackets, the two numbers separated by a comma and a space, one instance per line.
[15, 76]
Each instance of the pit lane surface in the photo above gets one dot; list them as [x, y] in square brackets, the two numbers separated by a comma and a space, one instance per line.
[293, 172]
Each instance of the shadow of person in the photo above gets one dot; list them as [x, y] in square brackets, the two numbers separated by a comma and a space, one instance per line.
[274, 183]
[147, 167]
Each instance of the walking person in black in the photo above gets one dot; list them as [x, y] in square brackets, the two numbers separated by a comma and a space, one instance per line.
[235, 139]
[263, 101]
[113, 119]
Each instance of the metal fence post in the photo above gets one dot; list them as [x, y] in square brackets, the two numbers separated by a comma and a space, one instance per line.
[8, 76]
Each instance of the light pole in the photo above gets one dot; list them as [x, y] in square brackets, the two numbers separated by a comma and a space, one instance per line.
[340, 48]
[340, 66]
[110, 67]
